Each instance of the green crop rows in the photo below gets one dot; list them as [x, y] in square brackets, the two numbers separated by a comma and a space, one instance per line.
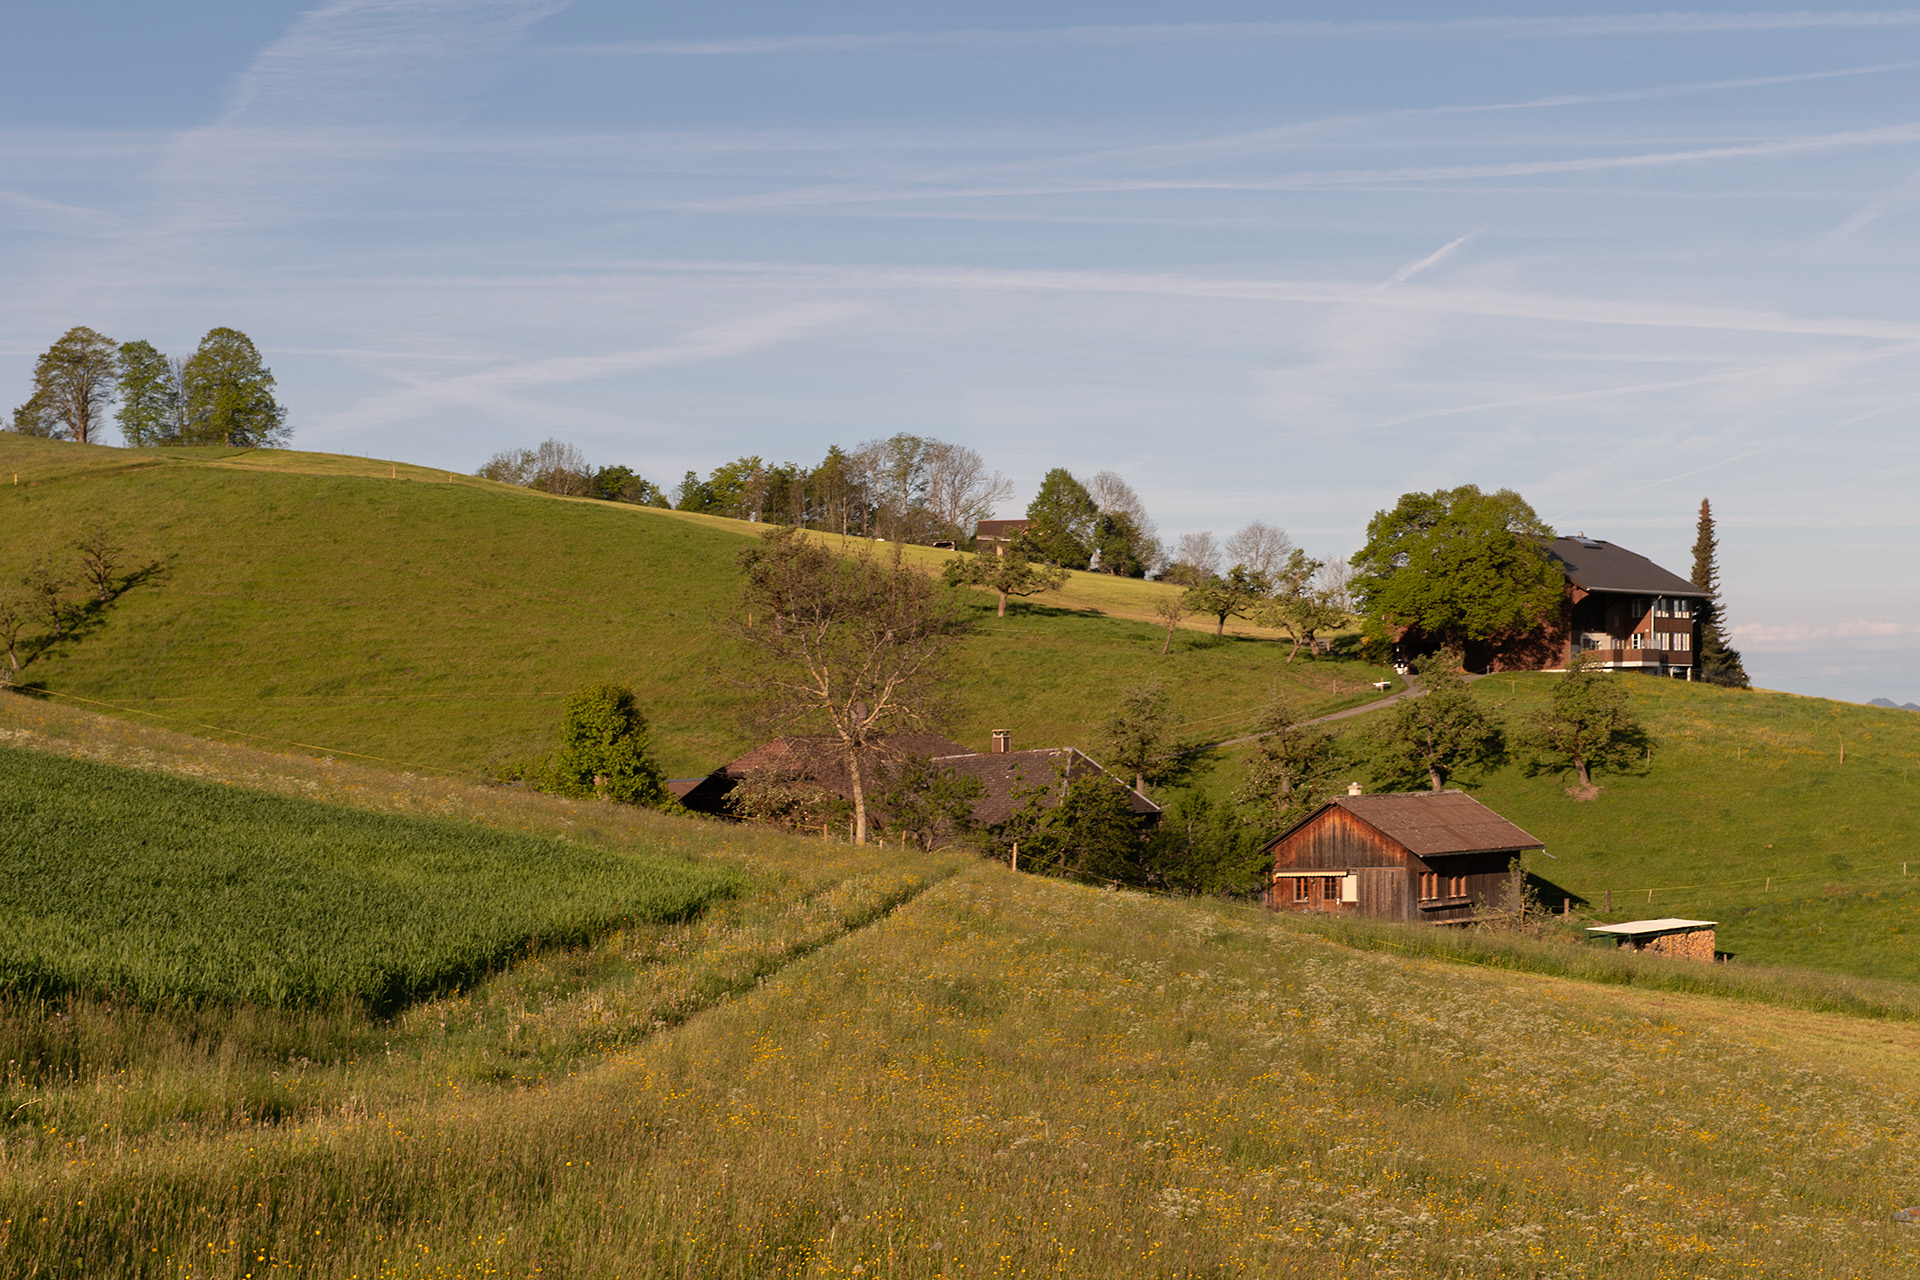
[170, 891]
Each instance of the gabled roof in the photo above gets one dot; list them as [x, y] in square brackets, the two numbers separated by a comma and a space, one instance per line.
[1006, 772]
[1429, 824]
[1597, 565]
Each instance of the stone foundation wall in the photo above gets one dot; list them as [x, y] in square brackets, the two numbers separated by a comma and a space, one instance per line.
[1696, 944]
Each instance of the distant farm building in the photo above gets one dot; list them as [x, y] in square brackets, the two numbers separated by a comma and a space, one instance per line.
[1680, 939]
[1424, 856]
[1625, 611]
[993, 537]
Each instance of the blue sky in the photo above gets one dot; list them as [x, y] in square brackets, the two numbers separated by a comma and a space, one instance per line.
[1267, 262]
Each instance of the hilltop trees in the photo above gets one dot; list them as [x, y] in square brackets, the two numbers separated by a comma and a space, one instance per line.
[1718, 662]
[1013, 572]
[152, 408]
[1457, 566]
[1061, 521]
[850, 648]
[73, 383]
[229, 394]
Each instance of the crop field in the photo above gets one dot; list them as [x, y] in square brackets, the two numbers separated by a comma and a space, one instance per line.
[165, 891]
[388, 613]
[872, 1063]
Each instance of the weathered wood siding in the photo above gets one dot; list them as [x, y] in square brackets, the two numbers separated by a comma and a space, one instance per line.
[1336, 842]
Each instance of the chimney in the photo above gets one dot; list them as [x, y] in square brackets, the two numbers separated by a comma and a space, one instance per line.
[1353, 788]
[1002, 741]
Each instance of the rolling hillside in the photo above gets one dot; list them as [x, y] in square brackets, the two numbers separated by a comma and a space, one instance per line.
[435, 621]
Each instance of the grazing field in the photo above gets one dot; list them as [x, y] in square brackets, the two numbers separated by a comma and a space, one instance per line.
[883, 1063]
[165, 891]
[372, 610]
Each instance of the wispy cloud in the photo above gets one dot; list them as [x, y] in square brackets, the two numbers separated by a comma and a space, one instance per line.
[1507, 28]
[1904, 196]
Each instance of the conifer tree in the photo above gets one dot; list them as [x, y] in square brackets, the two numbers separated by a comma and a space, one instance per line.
[1716, 662]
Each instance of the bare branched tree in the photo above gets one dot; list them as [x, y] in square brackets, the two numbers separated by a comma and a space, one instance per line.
[961, 492]
[1198, 552]
[559, 467]
[1334, 584]
[851, 648]
[99, 556]
[1170, 611]
[1261, 547]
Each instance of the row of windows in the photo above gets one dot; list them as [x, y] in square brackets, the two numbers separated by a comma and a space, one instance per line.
[1681, 640]
[1329, 888]
[1432, 882]
[1664, 607]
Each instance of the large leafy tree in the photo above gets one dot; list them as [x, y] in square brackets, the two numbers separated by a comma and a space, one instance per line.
[1092, 834]
[1298, 606]
[1458, 566]
[851, 649]
[74, 381]
[1717, 662]
[1432, 737]
[1290, 772]
[1584, 724]
[152, 410]
[1061, 519]
[229, 395]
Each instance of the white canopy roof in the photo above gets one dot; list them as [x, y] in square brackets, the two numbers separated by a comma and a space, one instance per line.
[1667, 924]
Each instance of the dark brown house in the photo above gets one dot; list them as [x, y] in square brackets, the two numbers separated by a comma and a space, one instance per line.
[992, 537]
[1624, 611]
[807, 757]
[1429, 856]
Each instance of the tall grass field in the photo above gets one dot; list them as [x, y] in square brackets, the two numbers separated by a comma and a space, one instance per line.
[173, 892]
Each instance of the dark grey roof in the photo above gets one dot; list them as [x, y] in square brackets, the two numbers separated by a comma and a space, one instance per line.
[1429, 824]
[1001, 773]
[1597, 565]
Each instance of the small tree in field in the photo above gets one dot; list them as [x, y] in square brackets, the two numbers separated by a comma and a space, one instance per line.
[1170, 611]
[605, 751]
[99, 557]
[1438, 734]
[48, 591]
[1290, 771]
[1014, 573]
[13, 620]
[1136, 736]
[1585, 723]
[852, 648]
[1232, 596]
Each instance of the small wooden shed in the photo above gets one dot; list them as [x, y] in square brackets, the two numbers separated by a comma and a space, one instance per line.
[1667, 936]
[1429, 856]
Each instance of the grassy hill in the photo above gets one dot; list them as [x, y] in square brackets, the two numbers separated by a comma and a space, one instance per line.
[436, 621]
[890, 1064]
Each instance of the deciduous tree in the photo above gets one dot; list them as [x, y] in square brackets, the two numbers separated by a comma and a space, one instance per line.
[47, 588]
[152, 411]
[1262, 548]
[15, 609]
[1193, 559]
[928, 803]
[1231, 596]
[100, 554]
[229, 395]
[1291, 770]
[1060, 521]
[1092, 834]
[1432, 737]
[1717, 662]
[1295, 605]
[1169, 610]
[1459, 566]
[852, 648]
[74, 381]
[605, 750]
[1584, 724]
[1014, 572]
[1137, 736]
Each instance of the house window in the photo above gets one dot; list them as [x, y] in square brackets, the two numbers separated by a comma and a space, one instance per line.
[1686, 641]
[1637, 638]
[1456, 886]
[1683, 608]
[1661, 609]
[1330, 888]
[1300, 891]
[1429, 886]
[1639, 607]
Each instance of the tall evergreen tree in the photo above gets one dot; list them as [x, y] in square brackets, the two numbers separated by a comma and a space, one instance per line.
[1061, 521]
[229, 395]
[1716, 662]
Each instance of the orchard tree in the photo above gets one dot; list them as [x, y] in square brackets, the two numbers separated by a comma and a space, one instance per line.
[15, 608]
[1061, 519]
[1432, 737]
[1138, 734]
[1717, 662]
[1169, 610]
[74, 381]
[1291, 770]
[1014, 572]
[1585, 723]
[229, 395]
[100, 555]
[605, 751]
[1298, 607]
[1232, 596]
[851, 648]
[1458, 566]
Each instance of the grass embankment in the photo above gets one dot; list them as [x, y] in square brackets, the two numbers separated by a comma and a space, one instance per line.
[998, 1075]
[384, 611]
[167, 891]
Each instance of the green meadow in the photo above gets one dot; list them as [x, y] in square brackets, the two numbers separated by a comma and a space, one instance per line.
[394, 614]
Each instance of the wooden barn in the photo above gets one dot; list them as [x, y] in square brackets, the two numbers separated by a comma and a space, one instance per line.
[1430, 856]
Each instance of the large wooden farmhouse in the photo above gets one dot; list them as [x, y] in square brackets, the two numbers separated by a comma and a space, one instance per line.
[1625, 611]
[1431, 856]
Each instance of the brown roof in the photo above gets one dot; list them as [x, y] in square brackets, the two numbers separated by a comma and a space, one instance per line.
[1003, 773]
[807, 755]
[1431, 823]
[998, 528]
[1597, 565]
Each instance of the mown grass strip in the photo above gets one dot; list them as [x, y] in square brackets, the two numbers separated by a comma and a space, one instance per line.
[168, 891]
